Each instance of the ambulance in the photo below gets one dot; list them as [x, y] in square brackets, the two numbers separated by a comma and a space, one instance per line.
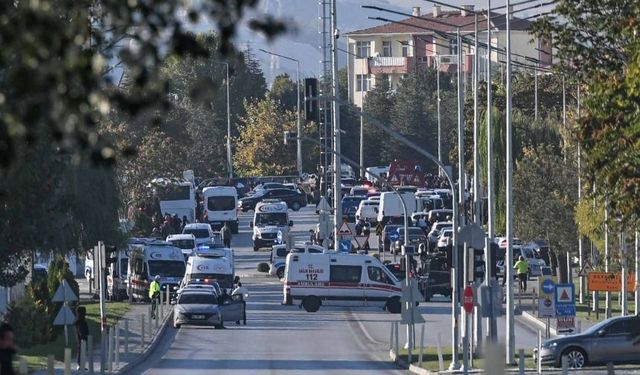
[151, 258]
[209, 265]
[339, 279]
[270, 224]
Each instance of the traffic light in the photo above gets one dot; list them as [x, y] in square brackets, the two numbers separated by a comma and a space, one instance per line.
[311, 99]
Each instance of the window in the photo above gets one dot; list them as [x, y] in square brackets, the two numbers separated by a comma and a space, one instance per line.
[363, 49]
[197, 299]
[345, 274]
[618, 328]
[183, 244]
[406, 49]
[386, 48]
[453, 46]
[173, 193]
[221, 203]
[167, 268]
[197, 233]
[363, 82]
[377, 275]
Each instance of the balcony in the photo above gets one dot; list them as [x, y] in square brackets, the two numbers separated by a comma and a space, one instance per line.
[397, 65]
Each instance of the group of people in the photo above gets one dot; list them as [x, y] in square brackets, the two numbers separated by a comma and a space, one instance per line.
[164, 226]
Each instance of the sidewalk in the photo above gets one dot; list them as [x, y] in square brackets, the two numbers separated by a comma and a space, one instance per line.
[128, 348]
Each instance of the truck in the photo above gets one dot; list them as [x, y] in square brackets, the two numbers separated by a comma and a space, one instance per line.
[391, 208]
[151, 258]
[209, 265]
[220, 207]
[270, 224]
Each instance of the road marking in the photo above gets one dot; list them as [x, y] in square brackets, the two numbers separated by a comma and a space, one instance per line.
[363, 329]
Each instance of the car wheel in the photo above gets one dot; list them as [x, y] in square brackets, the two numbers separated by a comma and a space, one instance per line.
[295, 206]
[311, 303]
[393, 305]
[576, 357]
[280, 273]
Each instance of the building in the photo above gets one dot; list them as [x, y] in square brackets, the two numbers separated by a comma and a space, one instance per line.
[389, 51]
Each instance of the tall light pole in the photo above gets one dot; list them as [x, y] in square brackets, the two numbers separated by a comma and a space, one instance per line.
[229, 156]
[337, 202]
[510, 347]
[298, 122]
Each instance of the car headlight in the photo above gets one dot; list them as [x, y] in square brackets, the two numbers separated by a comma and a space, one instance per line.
[550, 345]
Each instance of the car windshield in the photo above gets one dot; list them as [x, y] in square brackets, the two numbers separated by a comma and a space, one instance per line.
[447, 233]
[221, 203]
[271, 218]
[198, 233]
[197, 299]
[184, 244]
[167, 268]
[413, 232]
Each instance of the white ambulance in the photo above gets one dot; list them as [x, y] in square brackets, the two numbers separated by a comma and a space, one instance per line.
[150, 258]
[208, 265]
[341, 280]
[270, 224]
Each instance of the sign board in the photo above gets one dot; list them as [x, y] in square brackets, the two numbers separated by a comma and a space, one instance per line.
[468, 299]
[65, 316]
[323, 205]
[406, 172]
[609, 281]
[345, 246]
[64, 294]
[345, 230]
[472, 235]
[565, 300]
[410, 295]
[361, 241]
[279, 238]
[394, 235]
[490, 300]
[379, 229]
[546, 297]
[565, 323]
[586, 268]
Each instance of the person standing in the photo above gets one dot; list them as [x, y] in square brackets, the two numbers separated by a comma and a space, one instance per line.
[522, 269]
[7, 349]
[82, 332]
[225, 234]
[154, 294]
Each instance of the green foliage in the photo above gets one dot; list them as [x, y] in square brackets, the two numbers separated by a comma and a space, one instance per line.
[30, 321]
[284, 90]
[38, 290]
[142, 224]
[590, 220]
[58, 271]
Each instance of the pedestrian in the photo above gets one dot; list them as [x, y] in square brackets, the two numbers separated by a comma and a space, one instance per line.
[7, 349]
[242, 293]
[359, 227]
[312, 236]
[522, 269]
[154, 294]
[82, 331]
[177, 224]
[185, 221]
[167, 229]
[225, 234]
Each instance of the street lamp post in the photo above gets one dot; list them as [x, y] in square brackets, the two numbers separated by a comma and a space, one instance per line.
[229, 156]
[298, 121]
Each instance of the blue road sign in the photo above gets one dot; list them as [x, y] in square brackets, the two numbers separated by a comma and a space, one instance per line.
[394, 235]
[548, 286]
[345, 246]
[565, 300]
[279, 239]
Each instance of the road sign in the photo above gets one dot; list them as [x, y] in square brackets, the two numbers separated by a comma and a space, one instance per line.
[548, 286]
[565, 300]
[360, 241]
[410, 295]
[609, 282]
[64, 294]
[65, 316]
[468, 299]
[345, 246]
[394, 235]
[546, 297]
[323, 205]
[379, 229]
[472, 235]
[279, 238]
[565, 323]
[586, 268]
[345, 230]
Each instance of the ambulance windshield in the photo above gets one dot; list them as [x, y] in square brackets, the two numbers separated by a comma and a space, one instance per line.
[271, 218]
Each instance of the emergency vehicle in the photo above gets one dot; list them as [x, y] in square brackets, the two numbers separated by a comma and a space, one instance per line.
[270, 224]
[220, 207]
[278, 258]
[151, 258]
[186, 243]
[339, 279]
[209, 265]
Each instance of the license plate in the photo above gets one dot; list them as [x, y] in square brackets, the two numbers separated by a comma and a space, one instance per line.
[197, 317]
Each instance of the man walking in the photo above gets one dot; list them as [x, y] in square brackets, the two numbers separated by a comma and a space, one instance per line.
[154, 295]
[522, 269]
[82, 332]
[225, 233]
[7, 349]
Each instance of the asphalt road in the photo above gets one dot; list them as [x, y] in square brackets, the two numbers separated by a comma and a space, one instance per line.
[278, 339]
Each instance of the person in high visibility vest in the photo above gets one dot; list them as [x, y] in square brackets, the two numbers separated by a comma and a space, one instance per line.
[154, 294]
[522, 269]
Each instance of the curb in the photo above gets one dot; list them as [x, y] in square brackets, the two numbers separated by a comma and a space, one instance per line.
[537, 322]
[149, 348]
[413, 369]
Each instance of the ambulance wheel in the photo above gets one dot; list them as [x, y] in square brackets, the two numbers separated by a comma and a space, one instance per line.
[393, 305]
[311, 303]
[295, 206]
[280, 273]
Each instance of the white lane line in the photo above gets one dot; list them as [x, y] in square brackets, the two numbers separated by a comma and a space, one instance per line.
[364, 329]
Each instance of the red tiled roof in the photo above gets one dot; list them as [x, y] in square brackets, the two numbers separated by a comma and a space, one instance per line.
[414, 25]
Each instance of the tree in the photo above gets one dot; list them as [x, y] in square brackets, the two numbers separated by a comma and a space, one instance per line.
[545, 196]
[378, 103]
[260, 149]
[284, 90]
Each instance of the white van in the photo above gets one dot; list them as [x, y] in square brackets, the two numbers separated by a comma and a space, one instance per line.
[220, 206]
[367, 209]
[211, 265]
[270, 223]
[185, 242]
[148, 259]
[390, 206]
[339, 279]
[278, 258]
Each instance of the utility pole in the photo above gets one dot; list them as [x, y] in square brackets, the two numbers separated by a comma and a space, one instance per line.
[623, 272]
[476, 130]
[508, 264]
[637, 267]
[362, 126]
[337, 196]
[607, 295]
[438, 108]
[229, 158]
[461, 200]
[580, 238]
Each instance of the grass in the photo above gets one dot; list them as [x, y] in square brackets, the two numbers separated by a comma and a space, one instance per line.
[36, 356]
[430, 359]
[583, 311]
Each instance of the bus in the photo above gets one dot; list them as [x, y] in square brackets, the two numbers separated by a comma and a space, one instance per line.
[176, 197]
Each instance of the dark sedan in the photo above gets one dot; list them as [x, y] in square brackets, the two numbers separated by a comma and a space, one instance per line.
[295, 199]
[416, 237]
[614, 340]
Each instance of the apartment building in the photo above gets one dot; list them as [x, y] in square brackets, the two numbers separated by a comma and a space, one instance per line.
[389, 51]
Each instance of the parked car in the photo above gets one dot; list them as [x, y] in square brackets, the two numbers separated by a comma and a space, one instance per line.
[197, 307]
[295, 199]
[436, 228]
[202, 232]
[446, 236]
[367, 209]
[614, 340]
[416, 237]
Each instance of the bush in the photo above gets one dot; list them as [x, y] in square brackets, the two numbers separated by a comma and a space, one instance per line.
[142, 224]
[263, 267]
[31, 322]
[58, 271]
[39, 292]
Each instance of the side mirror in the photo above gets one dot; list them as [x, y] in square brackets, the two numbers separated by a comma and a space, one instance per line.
[601, 333]
[251, 224]
[290, 223]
